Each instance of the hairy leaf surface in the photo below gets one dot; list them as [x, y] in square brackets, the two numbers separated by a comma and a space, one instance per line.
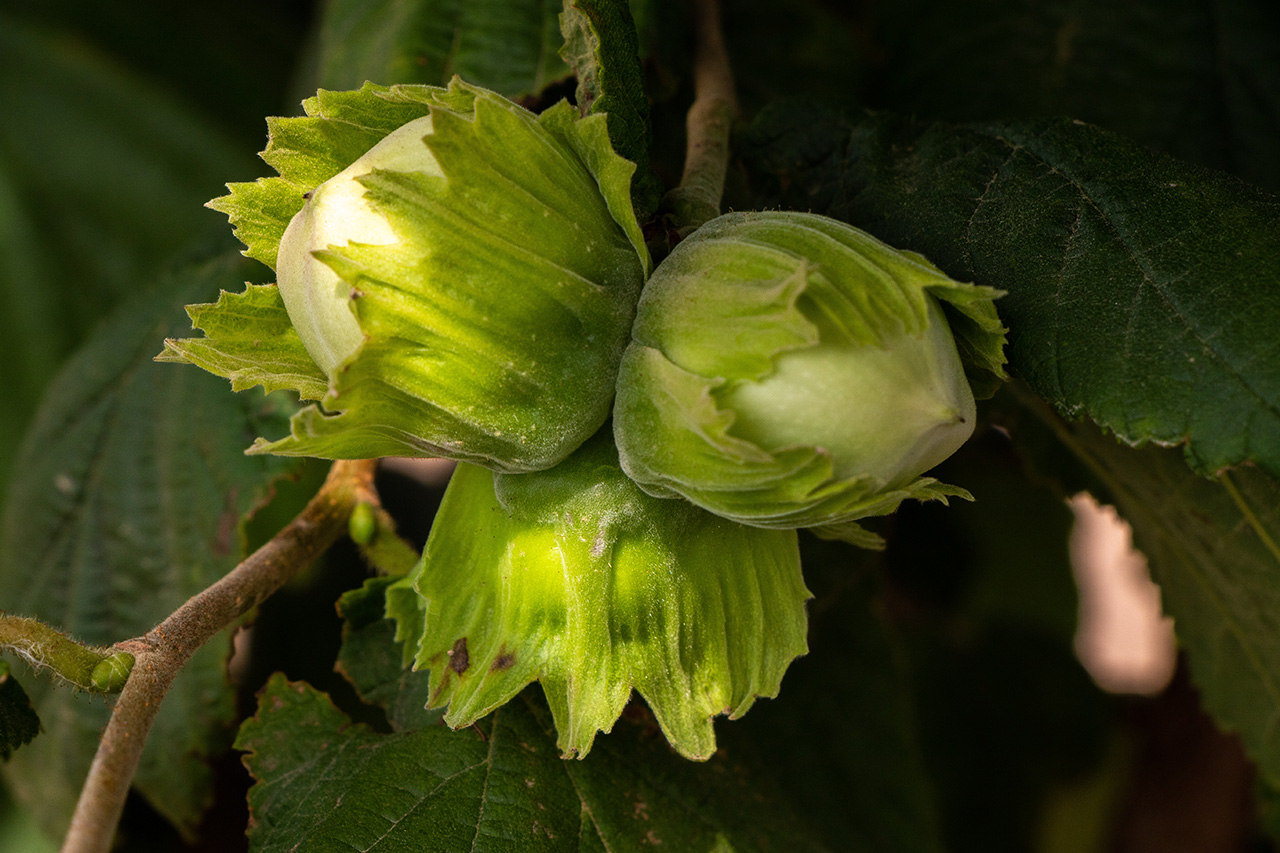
[509, 46]
[132, 490]
[499, 786]
[1196, 79]
[375, 664]
[602, 46]
[1142, 291]
[101, 176]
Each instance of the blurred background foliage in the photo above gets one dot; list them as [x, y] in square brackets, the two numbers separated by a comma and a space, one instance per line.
[941, 706]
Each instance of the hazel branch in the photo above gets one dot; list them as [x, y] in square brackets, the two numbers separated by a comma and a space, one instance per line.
[710, 119]
[161, 654]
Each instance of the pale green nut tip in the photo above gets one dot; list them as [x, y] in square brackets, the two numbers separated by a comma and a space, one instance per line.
[337, 214]
[788, 370]
[919, 407]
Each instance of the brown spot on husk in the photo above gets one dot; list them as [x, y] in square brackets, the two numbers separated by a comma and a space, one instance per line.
[458, 660]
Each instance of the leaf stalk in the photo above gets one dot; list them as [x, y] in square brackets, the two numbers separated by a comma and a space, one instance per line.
[46, 648]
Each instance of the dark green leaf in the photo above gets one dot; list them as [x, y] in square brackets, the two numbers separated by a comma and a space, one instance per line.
[18, 720]
[324, 783]
[373, 662]
[510, 46]
[499, 785]
[231, 61]
[1141, 290]
[101, 176]
[1198, 80]
[602, 47]
[842, 739]
[133, 485]
[1213, 548]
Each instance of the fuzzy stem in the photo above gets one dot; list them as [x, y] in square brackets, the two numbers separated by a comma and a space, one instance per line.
[162, 653]
[45, 648]
[697, 199]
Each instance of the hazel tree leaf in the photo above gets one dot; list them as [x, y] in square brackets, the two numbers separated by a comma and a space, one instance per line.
[323, 782]
[374, 663]
[19, 723]
[603, 48]
[1214, 549]
[132, 490]
[1141, 290]
[101, 178]
[509, 46]
[1196, 80]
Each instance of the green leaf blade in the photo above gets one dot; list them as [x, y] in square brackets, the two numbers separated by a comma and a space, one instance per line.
[603, 48]
[102, 175]
[133, 487]
[1195, 80]
[497, 786]
[308, 758]
[509, 46]
[1139, 290]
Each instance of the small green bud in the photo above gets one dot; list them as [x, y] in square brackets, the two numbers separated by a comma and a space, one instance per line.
[362, 526]
[576, 578]
[788, 370]
[110, 675]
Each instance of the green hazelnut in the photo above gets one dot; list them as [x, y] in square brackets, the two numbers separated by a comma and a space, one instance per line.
[924, 409]
[788, 370]
[457, 277]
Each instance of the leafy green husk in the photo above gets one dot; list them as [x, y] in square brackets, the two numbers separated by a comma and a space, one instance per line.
[576, 578]
[721, 308]
[493, 328]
